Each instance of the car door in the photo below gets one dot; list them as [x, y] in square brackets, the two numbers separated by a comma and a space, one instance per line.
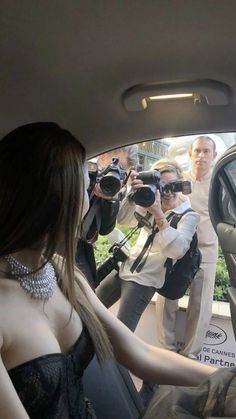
[222, 209]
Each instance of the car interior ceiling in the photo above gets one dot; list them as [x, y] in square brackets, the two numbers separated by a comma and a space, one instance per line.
[75, 63]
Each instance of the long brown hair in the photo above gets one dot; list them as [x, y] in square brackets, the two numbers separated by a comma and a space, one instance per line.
[41, 195]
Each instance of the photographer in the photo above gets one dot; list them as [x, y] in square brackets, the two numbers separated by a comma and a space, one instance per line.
[139, 277]
[202, 154]
[104, 207]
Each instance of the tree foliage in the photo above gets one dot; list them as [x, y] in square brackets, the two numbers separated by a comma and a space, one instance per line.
[222, 279]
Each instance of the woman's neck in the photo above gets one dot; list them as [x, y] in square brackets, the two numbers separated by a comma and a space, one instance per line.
[32, 258]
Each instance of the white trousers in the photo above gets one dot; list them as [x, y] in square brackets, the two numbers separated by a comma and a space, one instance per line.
[198, 315]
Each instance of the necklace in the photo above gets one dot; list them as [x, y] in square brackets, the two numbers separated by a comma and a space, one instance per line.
[40, 284]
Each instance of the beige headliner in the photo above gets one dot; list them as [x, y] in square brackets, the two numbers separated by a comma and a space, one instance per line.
[71, 61]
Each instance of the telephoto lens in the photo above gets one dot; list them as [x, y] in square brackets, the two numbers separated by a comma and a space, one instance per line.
[111, 178]
[149, 177]
[110, 184]
[145, 196]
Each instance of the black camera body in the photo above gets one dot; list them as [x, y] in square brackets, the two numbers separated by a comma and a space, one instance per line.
[110, 178]
[111, 263]
[145, 196]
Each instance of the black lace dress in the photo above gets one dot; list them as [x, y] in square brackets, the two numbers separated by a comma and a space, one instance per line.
[50, 386]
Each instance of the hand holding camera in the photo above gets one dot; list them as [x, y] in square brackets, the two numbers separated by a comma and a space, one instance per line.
[136, 182]
[106, 183]
[155, 208]
[145, 192]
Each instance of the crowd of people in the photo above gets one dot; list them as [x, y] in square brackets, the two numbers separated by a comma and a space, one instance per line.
[136, 287]
[44, 182]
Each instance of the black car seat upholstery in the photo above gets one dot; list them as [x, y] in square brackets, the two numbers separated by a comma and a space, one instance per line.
[111, 391]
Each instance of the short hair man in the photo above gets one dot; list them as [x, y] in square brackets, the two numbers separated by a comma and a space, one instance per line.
[202, 154]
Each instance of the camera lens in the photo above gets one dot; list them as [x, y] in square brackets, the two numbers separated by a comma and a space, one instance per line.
[110, 185]
[145, 196]
[149, 177]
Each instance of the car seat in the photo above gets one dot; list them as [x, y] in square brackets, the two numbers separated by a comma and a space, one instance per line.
[111, 391]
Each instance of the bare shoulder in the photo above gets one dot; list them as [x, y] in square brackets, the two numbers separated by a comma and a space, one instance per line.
[8, 307]
[3, 307]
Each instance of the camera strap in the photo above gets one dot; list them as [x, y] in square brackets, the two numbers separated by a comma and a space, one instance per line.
[142, 221]
[143, 255]
[93, 214]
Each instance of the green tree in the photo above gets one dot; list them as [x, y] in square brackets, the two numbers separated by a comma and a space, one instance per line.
[222, 279]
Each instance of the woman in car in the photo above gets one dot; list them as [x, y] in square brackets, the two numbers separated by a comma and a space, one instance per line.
[51, 322]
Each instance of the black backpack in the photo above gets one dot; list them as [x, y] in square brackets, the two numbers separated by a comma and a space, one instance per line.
[180, 275]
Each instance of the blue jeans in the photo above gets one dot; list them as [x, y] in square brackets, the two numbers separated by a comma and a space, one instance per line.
[134, 298]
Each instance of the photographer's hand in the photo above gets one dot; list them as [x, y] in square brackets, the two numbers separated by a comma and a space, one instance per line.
[156, 210]
[135, 183]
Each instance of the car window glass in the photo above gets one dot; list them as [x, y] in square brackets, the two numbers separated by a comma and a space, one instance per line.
[149, 151]
[230, 170]
[227, 207]
[227, 210]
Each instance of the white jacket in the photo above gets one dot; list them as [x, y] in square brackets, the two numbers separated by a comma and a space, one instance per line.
[207, 238]
[168, 243]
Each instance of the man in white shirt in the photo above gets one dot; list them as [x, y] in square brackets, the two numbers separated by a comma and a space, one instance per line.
[199, 311]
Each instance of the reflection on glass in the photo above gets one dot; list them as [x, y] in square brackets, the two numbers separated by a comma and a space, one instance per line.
[230, 171]
[234, 258]
[227, 210]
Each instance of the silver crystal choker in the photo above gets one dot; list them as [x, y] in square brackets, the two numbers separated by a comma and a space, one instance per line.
[40, 284]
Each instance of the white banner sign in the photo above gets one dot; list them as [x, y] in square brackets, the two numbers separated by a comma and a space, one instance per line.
[219, 348]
